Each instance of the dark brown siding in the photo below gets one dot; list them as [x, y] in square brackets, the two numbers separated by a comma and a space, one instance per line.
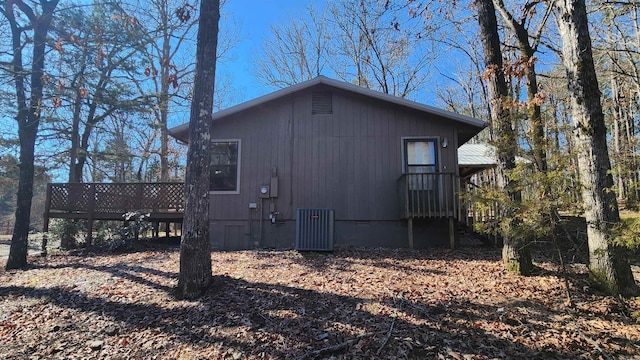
[348, 161]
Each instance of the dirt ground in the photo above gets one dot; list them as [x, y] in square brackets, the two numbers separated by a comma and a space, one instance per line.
[350, 304]
[34, 246]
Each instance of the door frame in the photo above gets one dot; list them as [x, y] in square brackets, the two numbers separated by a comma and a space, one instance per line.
[403, 146]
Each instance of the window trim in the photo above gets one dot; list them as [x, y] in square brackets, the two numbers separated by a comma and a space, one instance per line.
[238, 171]
[403, 146]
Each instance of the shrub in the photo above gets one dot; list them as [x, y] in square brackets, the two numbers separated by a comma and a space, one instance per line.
[125, 237]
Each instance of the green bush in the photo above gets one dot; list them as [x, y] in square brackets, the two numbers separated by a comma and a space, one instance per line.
[627, 233]
[125, 237]
[67, 232]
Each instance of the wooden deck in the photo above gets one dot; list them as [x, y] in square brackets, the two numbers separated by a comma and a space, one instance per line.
[430, 196]
[421, 196]
[164, 202]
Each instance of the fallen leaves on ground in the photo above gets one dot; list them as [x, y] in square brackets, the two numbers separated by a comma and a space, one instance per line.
[350, 304]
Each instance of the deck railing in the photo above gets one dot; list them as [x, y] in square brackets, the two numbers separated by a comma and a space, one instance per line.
[164, 202]
[429, 195]
[111, 200]
[479, 209]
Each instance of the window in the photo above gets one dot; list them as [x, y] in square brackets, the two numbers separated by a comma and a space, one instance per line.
[225, 169]
[420, 155]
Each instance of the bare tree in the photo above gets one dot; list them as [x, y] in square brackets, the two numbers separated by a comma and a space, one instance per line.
[515, 252]
[527, 46]
[37, 21]
[297, 52]
[378, 47]
[368, 43]
[606, 261]
[616, 45]
[195, 250]
[169, 31]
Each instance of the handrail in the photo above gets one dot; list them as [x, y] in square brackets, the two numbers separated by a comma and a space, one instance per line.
[110, 201]
[429, 195]
[115, 197]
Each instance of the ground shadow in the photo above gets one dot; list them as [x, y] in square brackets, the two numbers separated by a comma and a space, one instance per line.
[132, 273]
[286, 322]
[382, 258]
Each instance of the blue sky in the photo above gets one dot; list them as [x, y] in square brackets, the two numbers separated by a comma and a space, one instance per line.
[255, 18]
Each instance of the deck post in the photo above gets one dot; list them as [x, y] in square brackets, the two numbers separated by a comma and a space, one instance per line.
[452, 233]
[45, 241]
[92, 207]
[410, 231]
[45, 224]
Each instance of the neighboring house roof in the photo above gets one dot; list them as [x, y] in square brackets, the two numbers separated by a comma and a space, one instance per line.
[181, 132]
[473, 158]
[476, 155]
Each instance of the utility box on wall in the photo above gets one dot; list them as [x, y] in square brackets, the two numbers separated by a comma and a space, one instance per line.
[314, 229]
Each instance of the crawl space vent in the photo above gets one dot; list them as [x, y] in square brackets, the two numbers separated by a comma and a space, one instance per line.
[314, 229]
[321, 103]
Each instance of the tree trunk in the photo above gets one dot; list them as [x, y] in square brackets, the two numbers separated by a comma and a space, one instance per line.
[515, 252]
[19, 241]
[165, 66]
[28, 117]
[619, 116]
[608, 267]
[631, 150]
[527, 55]
[91, 122]
[68, 236]
[195, 250]
[75, 121]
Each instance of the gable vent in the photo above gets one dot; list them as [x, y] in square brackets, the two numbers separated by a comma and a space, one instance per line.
[321, 103]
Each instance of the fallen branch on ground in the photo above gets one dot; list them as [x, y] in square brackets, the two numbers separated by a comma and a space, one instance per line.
[334, 348]
[595, 345]
[386, 338]
[423, 310]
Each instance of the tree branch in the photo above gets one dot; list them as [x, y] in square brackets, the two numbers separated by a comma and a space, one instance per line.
[334, 348]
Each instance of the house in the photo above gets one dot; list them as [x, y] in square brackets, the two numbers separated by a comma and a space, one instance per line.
[385, 169]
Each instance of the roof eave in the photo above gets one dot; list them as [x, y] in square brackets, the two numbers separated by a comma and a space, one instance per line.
[181, 132]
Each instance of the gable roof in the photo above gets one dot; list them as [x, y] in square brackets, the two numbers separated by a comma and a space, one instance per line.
[181, 132]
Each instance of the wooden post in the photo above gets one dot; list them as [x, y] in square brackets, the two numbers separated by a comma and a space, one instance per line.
[452, 233]
[92, 206]
[410, 230]
[45, 226]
